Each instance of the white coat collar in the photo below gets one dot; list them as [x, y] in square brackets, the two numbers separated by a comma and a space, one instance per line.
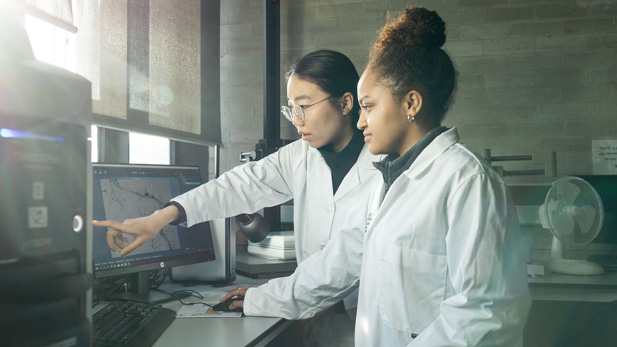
[439, 145]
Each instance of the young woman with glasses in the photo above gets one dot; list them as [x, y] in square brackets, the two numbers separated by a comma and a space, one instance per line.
[442, 261]
[328, 173]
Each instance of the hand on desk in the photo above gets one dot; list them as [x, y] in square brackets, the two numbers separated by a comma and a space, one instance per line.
[238, 292]
[143, 229]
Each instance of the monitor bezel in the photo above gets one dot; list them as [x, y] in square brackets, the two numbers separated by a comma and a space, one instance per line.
[165, 262]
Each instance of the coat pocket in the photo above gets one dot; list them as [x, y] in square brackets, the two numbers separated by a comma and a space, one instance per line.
[412, 287]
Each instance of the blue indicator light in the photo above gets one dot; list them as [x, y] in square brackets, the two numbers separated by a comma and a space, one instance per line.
[7, 133]
[19, 134]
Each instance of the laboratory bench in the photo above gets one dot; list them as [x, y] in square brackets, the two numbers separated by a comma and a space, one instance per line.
[561, 303]
[558, 287]
[245, 331]
[556, 301]
[224, 331]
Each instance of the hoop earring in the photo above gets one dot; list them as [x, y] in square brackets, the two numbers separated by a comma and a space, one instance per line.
[411, 119]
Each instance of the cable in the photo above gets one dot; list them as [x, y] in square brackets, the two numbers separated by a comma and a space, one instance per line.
[104, 287]
[157, 277]
[183, 293]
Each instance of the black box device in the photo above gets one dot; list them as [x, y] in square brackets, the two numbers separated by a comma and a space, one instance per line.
[45, 115]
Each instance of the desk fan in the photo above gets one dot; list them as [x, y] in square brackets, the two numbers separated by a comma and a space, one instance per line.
[574, 214]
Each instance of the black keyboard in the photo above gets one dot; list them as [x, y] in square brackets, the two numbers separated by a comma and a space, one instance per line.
[130, 323]
[608, 261]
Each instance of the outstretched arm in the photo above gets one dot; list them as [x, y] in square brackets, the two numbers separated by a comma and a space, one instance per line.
[143, 229]
[244, 189]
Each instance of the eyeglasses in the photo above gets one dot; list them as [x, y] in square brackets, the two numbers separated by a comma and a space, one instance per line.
[298, 110]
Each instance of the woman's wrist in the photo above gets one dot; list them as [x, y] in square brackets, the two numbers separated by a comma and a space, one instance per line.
[167, 214]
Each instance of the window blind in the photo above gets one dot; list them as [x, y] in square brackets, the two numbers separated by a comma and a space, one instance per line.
[154, 65]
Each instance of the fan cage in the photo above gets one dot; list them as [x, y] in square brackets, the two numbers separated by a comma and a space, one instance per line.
[587, 196]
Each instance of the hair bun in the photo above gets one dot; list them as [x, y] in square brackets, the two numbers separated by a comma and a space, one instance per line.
[418, 26]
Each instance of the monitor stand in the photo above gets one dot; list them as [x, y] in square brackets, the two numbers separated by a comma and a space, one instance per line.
[140, 291]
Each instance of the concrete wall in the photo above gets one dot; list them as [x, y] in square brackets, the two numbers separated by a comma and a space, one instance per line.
[534, 75]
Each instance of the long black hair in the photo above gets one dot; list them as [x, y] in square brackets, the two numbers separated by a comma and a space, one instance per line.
[332, 71]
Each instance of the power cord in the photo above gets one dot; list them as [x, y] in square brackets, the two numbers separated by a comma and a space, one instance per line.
[183, 293]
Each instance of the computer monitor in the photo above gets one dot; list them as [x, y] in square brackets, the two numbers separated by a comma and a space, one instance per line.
[125, 191]
[606, 186]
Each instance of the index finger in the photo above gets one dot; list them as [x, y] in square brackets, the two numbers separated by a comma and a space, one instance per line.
[112, 225]
[230, 295]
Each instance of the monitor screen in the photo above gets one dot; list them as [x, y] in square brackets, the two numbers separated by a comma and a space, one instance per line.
[606, 186]
[125, 191]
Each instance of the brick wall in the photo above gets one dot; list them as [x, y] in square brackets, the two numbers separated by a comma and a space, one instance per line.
[534, 75]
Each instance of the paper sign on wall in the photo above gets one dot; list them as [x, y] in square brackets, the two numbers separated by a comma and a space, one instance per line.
[604, 157]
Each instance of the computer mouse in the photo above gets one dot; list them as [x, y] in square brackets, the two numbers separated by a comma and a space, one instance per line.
[224, 306]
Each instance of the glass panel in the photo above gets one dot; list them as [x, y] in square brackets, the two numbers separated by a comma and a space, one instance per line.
[102, 51]
[142, 56]
[148, 149]
[175, 92]
[58, 9]
[50, 43]
[139, 14]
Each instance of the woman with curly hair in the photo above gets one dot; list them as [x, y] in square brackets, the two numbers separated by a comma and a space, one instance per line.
[443, 259]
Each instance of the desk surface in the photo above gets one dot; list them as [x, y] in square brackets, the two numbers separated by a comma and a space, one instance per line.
[558, 287]
[244, 331]
[257, 331]
[217, 331]
[607, 280]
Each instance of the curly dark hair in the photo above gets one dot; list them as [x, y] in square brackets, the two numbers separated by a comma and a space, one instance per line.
[408, 56]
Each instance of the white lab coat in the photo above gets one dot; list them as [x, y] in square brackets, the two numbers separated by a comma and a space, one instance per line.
[295, 171]
[443, 263]
[318, 283]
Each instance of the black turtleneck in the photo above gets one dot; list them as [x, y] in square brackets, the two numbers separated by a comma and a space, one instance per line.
[340, 163]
